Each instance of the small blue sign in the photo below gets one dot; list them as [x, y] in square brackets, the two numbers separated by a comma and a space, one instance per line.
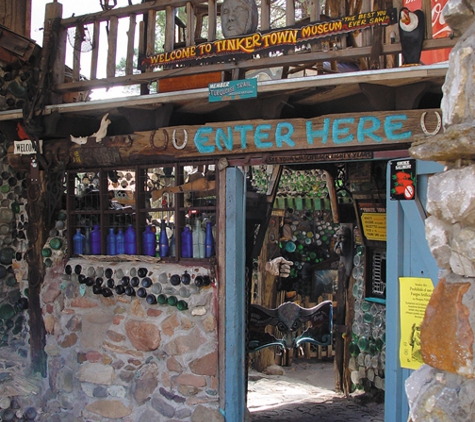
[232, 90]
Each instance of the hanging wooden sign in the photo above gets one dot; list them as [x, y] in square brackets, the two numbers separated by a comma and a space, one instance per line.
[281, 40]
[301, 138]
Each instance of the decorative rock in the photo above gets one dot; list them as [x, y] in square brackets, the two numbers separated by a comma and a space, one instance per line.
[113, 409]
[173, 365]
[169, 325]
[185, 344]
[448, 313]
[191, 380]
[146, 383]
[206, 365]
[94, 328]
[453, 144]
[462, 259]
[143, 336]
[96, 373]
[206, 414]
[438, 234]
[162, 407]
[460, 207]
[199, 311]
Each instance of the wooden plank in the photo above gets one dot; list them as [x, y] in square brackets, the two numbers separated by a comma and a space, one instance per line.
[212, 19]
[265, 15]
[289, 12]
[264, 136]
[78, 36]
[314, 6]
[190, 24]
[169, 28]
[129, 61]
[303, 58]
[112, 47]
[150, 40]
[95, 49]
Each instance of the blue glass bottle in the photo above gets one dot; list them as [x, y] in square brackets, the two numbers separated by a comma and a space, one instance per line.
[120, 242]
[111, 243]
[186, 243]
[96, 240]
[130, 241]
[78, 242]
[148, 241]
[164, 246]
[209, 241]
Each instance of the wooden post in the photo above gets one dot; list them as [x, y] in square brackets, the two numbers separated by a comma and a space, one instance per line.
[190, 24]
[36, 268]
[112, 47]
[129, 61]
[95, 49]
[212, 18]
[169, 28]
[265, 14]
[53, 12]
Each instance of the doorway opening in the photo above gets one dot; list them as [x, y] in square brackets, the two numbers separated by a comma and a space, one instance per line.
[329, 220]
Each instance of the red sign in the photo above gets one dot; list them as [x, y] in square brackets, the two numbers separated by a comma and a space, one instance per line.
[440, 29]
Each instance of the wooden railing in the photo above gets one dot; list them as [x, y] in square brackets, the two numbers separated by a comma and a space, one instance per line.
[143, 16]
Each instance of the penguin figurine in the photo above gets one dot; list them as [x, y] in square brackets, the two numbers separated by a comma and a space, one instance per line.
[411, 33]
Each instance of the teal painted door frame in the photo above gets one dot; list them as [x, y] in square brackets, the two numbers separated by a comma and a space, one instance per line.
[408, 255]
[235, 291]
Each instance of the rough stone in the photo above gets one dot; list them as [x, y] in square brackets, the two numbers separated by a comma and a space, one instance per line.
[438, 234]
[94, 357]
[206, 414]
[209, 324]
[462, 260]
[68, 341]
[113, 409]
[446, 313]
[146, 383]
[151, 312]
[49, 320]
[74, 323]
[50, 292]
[185, 344]
[173, 365]
[450, 196]
[143, 336]
[99, 392]
[94, 328]
[206, 365]
[183, 413]
[96, 373]
[115, 336]
[457, 102]
[67, 380]
[458, 15]
[117, 391]
[162, 407]
[83, 302]
[136, 309]
[169, 325]
[191, 380]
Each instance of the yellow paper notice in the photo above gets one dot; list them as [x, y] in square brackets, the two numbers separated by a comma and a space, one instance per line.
[414, 296]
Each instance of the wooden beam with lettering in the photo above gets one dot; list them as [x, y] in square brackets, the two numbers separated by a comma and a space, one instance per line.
[373, 131]
[293, 139]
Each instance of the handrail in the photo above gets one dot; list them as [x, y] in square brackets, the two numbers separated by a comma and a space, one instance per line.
[146, 44]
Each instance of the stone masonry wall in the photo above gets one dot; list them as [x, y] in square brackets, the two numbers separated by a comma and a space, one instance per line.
[121, 358]
[444, 388]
